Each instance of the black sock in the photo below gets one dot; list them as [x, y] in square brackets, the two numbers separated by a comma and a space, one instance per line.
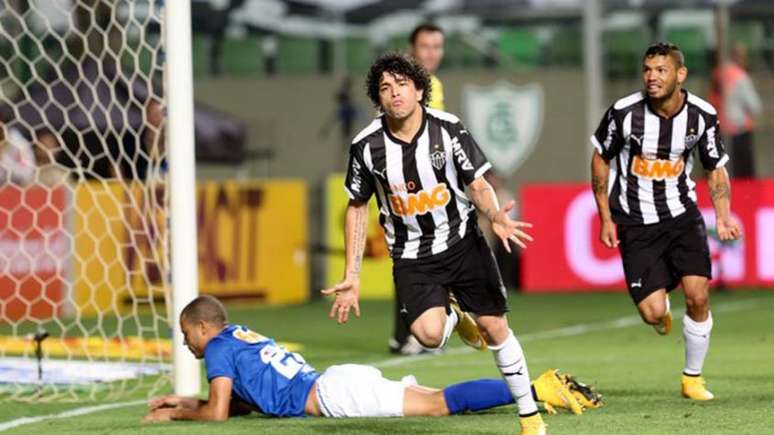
[402, 332]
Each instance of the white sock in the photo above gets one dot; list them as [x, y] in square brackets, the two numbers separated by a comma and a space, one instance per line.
[697, 337]
[448, 329]
[513, 365]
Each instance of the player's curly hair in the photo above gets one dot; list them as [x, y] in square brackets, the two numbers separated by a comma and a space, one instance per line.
[397, 64]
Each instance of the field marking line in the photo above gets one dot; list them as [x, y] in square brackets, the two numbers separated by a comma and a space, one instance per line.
[66, 414]
[568, 331]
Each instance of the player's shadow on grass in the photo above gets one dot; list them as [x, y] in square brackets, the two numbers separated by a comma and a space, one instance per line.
[413, 425]
[408, 425]
[754, 379]
[658, 395]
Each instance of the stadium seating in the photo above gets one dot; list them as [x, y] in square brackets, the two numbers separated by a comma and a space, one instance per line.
[693, 42]
[566, 46]
[297, 55]
[521, 45]
[359, 54]
[624, 50]
[751, 34]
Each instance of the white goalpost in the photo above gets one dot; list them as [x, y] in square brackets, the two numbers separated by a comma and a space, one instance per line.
[98, 243]
[180, 124]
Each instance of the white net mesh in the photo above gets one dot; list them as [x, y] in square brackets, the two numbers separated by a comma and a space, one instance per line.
[83, 204]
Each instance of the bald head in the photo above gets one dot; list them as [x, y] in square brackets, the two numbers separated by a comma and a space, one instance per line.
[207, 309]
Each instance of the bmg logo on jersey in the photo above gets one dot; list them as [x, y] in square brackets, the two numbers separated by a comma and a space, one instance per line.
[421, 202]
[657, 169]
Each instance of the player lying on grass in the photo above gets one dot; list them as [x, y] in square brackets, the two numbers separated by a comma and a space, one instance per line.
[249, 372]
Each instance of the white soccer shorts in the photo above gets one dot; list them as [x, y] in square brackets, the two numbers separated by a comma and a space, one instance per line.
[354, 390]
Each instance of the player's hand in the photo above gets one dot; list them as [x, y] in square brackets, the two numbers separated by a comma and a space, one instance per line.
[168, 401]
[159, 415]
[508, 229]
[728, 229]
[609, 235]
[347, 293]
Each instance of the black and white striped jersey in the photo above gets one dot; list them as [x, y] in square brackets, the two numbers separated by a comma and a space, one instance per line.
[419, 186]
[651, 157]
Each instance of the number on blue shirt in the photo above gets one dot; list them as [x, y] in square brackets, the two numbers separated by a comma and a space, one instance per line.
[285, 363]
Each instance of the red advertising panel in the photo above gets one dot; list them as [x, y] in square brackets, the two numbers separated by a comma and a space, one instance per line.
[568, 256]
[33, 251]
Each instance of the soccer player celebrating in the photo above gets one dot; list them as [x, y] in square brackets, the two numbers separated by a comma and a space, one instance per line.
[419, 161]
[249, 372]
[426, 46]
[645, 149]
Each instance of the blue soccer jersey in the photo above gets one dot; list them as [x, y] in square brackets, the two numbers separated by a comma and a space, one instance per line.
[264, 375]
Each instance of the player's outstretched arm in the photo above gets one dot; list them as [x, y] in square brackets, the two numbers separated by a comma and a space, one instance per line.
[215, 408]
[720, 192]
[174, 401]
[508, 230]
[347, 292]
[600, 171]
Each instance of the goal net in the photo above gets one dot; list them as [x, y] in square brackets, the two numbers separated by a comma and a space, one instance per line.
[84, 200]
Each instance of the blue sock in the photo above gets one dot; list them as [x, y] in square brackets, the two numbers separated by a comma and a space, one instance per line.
[477, 395]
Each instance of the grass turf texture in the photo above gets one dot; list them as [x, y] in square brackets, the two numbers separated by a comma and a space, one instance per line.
[637, 371]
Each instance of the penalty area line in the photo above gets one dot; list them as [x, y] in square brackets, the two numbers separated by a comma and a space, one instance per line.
[12, 424]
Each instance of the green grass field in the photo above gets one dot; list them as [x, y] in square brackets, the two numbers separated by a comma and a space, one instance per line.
[594, 336]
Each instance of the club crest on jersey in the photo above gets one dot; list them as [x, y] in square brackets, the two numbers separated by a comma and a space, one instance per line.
[421, 202]
[438, 159]
[657, 169]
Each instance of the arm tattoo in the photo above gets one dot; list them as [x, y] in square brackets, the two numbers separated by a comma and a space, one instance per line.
[359, 238]
[479, 195]
[720, 190]
[598, 184]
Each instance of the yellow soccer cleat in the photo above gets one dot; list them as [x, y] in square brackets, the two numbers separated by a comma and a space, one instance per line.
[694, 388]
[554, 393]
[665, 326]
[466, 327]
[586, 395]
[532, 425]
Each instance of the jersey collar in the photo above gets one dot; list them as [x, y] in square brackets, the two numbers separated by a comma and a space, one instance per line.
[685, 103]
[416, 135]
